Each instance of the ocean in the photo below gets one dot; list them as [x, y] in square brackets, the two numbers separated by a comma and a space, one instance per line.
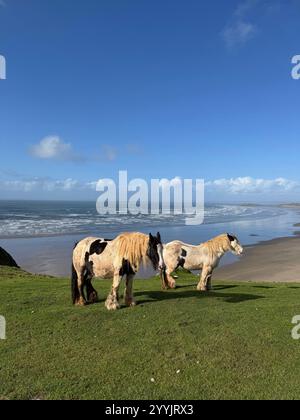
[40, 234]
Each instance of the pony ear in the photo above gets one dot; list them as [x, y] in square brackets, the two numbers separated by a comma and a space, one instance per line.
[158, 237]
[230, 237]
[151, 237]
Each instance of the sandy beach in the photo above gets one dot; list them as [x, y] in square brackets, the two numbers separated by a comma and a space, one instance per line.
[273, 261]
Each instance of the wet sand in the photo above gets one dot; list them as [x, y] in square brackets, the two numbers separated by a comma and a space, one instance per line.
[273, 261]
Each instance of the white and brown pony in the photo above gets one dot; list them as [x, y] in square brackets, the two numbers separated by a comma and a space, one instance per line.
[118, 258]
[205, 257]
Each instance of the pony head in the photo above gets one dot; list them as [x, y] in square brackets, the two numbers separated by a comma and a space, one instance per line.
[155, 252]
[235, 246]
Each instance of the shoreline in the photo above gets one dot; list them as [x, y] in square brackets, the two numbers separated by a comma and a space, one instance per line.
[270, 261]
[273, 261]
[51, 254]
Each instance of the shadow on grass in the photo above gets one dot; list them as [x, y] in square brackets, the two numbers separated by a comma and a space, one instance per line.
[186, 286]
[263, 287]
[153, 296]
[224, 287]
[159, 295]
[220, 287]
[100, 300]
[215, 287]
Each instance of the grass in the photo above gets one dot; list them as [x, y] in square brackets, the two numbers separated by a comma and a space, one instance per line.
[232, 343]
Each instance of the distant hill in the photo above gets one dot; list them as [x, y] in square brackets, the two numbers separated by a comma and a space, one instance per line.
[6, 259]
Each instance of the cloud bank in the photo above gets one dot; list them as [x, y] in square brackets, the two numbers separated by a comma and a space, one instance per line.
[248, 185]
[46, 184]
[234, 188]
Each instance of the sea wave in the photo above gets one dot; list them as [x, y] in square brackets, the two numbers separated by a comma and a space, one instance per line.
[21, 220]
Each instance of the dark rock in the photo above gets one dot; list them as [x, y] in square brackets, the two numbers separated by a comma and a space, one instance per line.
[6, 259]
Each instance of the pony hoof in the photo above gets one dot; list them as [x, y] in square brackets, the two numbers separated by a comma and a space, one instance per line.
[80, 302]
[93, 298]
[112, 305]
[130, 303]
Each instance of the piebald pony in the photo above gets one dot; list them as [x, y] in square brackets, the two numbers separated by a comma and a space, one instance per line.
[118, 258]
[205, 257]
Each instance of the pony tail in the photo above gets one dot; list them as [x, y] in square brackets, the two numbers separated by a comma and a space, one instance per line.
[74, 285]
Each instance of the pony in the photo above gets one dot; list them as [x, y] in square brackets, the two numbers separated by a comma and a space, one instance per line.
[118, 258]
[205, 257]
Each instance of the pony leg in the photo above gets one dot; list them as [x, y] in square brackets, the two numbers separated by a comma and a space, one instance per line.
[205, 276]
[112, 301]
[81, 300]
[129, 298]
[171, 283]
[92, 294]
[209, 283]
[167, 281]
[164, 280]
[74, 285]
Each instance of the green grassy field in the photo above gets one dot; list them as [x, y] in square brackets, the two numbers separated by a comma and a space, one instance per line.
[234, 342]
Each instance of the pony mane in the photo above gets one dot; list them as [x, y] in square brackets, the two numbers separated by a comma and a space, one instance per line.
[218, 244]
[132, 247]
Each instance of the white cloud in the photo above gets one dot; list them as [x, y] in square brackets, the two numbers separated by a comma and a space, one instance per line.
[240, 30]
[239, 33]
[52, 147]
[248, 185]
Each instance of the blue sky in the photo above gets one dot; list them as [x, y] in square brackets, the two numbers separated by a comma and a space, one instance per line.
[195, 89]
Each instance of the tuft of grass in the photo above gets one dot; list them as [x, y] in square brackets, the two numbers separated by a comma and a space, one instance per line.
[232, 343]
